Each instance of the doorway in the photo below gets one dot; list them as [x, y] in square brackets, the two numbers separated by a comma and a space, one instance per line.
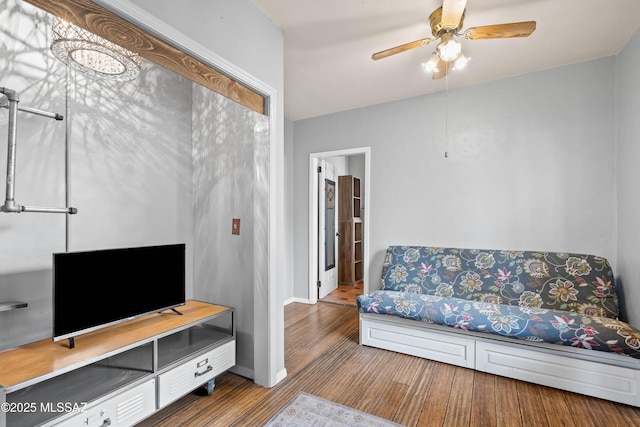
[317, 216]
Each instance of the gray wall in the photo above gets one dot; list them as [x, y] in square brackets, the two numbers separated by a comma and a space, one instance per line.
[228, 154]
[530, 166]
[129, 167]
[28, 240]
[130, 161]
[148, 165]
[240, 34]
[628, 174]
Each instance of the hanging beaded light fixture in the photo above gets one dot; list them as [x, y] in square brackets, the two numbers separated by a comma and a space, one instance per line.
[92, 54]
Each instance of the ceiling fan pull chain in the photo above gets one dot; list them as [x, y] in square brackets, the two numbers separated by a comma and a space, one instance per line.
[446, 116]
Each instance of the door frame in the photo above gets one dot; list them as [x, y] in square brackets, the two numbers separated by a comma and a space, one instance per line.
[329, 278]
[313, 214]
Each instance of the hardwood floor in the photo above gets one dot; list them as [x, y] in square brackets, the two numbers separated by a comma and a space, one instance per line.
[345, 294]
[323, 357]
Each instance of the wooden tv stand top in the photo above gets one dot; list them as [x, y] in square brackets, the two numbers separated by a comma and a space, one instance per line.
[45, 357]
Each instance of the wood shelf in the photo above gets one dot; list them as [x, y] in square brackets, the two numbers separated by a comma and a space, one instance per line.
[83, 385]
[109, 364]
[12, 305]
[350, 248]
[23, 365]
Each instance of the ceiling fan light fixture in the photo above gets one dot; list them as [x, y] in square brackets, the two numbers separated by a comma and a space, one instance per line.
[449, 48]
[460, 62]
[446, 24]
[431, 64]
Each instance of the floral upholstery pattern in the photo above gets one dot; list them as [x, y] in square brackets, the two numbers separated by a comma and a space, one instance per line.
[579, 283]
[565, 299]
[553, 326]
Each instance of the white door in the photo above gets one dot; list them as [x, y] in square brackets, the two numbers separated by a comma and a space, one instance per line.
[327, 229]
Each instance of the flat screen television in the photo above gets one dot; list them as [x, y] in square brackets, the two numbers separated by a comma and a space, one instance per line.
[98, 288]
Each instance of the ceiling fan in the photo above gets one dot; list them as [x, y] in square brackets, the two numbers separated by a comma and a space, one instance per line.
[446, 23]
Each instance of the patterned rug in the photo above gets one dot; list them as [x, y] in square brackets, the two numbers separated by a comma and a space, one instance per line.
[308, 410]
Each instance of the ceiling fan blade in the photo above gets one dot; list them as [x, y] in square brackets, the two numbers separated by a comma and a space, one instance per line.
[501, 31]
[443, 67]
[399, 49]
[452, 11]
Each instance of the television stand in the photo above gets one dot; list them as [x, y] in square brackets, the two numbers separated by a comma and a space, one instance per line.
[72, 341]
[118, 375]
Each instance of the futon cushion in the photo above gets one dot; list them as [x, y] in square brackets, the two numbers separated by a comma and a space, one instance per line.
[525, 323]
[579, 283]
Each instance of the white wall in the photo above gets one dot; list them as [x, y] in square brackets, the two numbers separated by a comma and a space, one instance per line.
[628, 175]
[530, 166]
[289, 138]
[236, 30]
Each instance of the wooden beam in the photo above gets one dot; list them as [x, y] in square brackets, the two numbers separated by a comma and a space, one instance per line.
[100, 21]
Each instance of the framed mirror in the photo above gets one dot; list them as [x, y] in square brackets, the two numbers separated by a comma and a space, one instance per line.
[330, 224]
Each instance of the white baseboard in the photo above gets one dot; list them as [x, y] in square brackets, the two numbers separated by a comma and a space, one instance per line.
[243, 371]
[281, 375]
[297, 299]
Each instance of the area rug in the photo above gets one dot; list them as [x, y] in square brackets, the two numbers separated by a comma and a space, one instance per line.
[308, 410]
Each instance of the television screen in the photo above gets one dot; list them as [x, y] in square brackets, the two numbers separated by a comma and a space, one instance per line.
[94, 289]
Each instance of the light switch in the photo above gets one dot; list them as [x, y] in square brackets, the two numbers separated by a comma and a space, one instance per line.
[235, 226]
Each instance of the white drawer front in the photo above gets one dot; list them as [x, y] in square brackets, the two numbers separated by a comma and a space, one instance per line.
[416, 341]
[182, 379]
[566, 373]
[124, 409]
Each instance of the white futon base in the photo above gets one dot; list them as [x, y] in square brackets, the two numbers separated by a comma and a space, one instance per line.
[593, 373]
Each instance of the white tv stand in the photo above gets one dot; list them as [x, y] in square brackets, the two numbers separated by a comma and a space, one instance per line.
[118, 375]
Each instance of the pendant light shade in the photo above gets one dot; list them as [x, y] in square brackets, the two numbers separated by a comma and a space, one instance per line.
[92, 54]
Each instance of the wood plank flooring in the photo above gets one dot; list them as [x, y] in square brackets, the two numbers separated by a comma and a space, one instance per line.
[323, 357]
[345, 294]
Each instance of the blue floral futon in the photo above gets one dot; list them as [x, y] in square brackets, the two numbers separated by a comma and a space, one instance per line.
[560, 298]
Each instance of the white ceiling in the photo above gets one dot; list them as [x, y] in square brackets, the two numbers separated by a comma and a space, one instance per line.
[328, 46]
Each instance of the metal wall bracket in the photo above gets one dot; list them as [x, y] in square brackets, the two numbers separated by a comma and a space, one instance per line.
[10, 206]
[12, 305]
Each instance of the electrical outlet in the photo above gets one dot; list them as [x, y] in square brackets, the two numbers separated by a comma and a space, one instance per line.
[235, 226]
